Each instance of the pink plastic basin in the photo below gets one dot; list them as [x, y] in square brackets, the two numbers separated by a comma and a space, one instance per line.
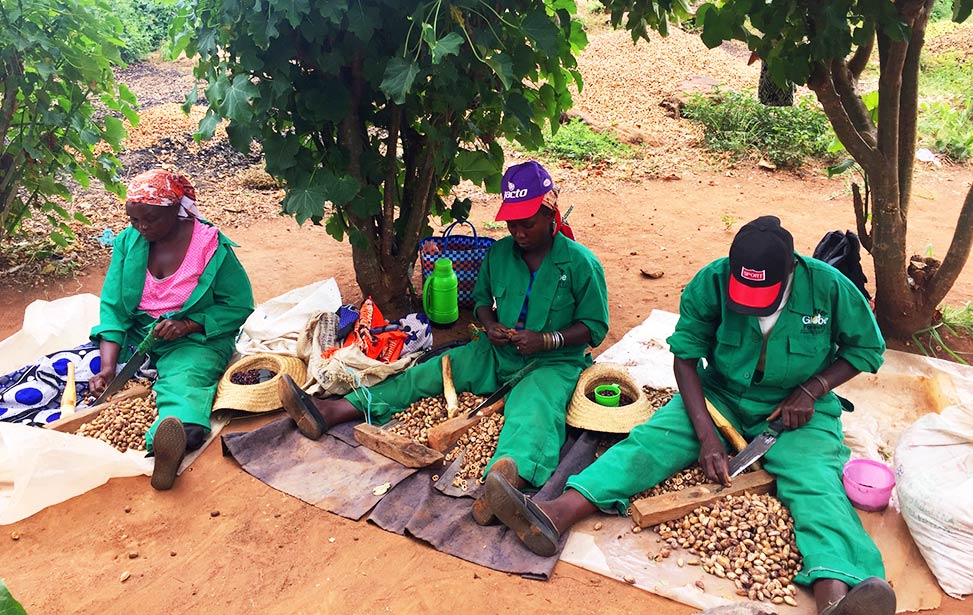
[868, 484]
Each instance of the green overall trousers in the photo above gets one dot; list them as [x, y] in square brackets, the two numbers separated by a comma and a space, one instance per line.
[569, 287]
[190, 367]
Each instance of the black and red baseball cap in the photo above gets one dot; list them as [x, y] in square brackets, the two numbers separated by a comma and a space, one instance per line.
[760, 261]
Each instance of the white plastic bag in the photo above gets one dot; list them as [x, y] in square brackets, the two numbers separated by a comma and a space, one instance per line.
[934, 482]
[276, 324]
[41, 467]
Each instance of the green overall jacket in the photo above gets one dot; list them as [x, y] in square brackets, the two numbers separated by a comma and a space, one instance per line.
[189, 367]
[568, 287]
[825, 318]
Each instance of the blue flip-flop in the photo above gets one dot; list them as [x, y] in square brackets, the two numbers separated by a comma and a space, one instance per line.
[518, 512]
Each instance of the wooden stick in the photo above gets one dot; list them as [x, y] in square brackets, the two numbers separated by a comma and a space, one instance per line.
[71, 422]
[449, 391]
[444, 436]
[668, 506]
[728, 431]
[396, 447]
[69, 399]
[726, 428]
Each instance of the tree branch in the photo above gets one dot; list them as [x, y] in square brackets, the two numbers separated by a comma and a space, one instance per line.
[391, 178]
[956, 256]
[892, 55]
[861, 215]
[909, 108]
[859, 60]
[822, 85]
[851, 102]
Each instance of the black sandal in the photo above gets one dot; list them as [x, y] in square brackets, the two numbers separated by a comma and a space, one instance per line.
[873, 596]
[169, 449]
[518, 512]
[300, 407]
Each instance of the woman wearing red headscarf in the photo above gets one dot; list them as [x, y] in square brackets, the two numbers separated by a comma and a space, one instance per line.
[174, 274]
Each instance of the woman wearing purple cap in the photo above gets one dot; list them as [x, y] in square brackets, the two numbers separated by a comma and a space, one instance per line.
[778, 331]
[543, 300]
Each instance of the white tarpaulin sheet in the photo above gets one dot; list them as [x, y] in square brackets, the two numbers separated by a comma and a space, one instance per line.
[906, 387]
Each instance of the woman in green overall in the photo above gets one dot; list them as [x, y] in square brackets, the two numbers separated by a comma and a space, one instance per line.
[542, 299]
[778, 332]
[174, 274]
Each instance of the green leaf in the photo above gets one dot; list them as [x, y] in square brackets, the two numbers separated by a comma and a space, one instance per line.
[539, 28]
[335, 227]
[207, 126]
[114, 131]
[841, 167]
[305, 203]
[475, 165]
[398, 78]
[962, 10]
[191, 99]
[236, 104]
[58, 238]
[280, 152]
[9, 606]
[80, 217]
[503, 67]
[446, 46]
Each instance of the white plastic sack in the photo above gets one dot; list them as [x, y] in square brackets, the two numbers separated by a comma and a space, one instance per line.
[276, 324]
[41, 467]
[934, 481]
[49, 326]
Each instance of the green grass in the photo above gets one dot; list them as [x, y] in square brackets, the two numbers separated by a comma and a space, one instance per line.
[959, 318]
[738, 123]
[576, 142]
[948, 76]
[947, 129]
[958, 321]
[942, 10]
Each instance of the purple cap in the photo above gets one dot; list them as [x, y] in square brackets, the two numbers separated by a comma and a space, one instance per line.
[524, 186]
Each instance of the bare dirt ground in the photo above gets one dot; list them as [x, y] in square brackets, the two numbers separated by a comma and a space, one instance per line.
[223, 542]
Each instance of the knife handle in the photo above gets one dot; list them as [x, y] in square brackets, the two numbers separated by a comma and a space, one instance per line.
[776, 426]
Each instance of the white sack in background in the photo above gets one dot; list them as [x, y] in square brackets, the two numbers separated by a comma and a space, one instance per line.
[49, 326]
[276, 324]
[934, 482]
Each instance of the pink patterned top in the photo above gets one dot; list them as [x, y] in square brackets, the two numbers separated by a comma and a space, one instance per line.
[169, 294]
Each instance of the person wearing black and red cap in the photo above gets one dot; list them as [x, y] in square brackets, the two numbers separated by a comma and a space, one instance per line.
[777, 331]
[543, 301]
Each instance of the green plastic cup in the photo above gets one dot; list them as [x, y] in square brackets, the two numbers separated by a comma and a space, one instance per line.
[608, 395]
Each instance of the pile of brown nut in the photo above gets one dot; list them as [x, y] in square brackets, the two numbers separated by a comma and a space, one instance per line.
[658, 396]
[415, 421]
[748, 539]
[123, 423]
[690, 477]
[479, 444]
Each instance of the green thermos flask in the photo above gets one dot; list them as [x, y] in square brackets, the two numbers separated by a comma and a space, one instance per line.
[440, 299]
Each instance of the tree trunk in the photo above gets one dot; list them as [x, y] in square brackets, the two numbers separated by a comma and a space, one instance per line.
[886, 153]
[389, 286]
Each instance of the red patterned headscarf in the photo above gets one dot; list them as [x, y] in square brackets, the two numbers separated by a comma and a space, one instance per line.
[164, 189]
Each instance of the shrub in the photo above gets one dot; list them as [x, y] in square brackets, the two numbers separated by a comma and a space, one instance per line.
[947, 129]
[942, 10]
[738, 123]
[577, 142]
[145, 24]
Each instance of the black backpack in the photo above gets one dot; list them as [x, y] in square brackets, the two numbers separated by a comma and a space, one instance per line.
[843, 252]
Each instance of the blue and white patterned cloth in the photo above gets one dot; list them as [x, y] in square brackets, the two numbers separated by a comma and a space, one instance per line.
[32, 394]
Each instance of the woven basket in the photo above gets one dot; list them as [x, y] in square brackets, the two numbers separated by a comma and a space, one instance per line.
[261, 397]
[586, 414]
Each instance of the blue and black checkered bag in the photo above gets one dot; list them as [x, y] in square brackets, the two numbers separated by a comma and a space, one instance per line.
[466, 253]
